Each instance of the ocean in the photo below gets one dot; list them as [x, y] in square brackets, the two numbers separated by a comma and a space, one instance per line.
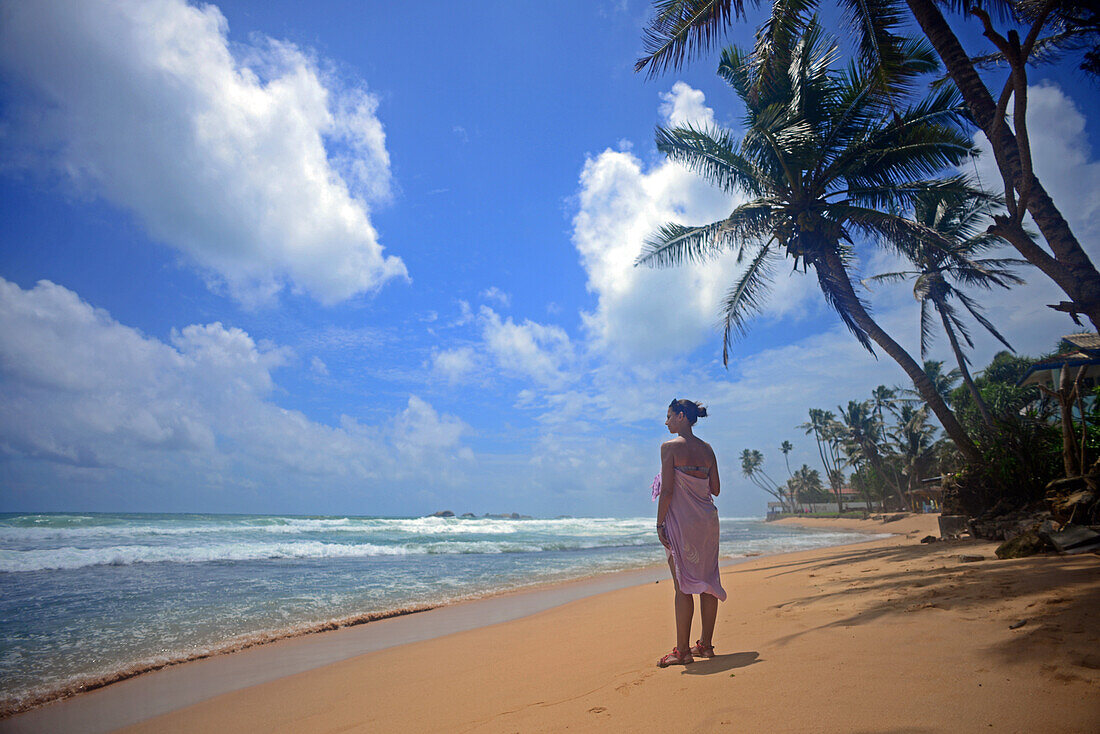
[90, 598]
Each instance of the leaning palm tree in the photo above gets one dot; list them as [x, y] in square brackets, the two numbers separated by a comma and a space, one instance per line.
[824, 161]
[940, 271]
[752, 466]
[681, 29]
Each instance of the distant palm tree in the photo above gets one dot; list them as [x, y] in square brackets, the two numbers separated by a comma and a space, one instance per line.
[824, 160]
[916, 440]
[944, 382]
[882, 397]
[942, 266]
[752, 466]
[806, 485]
[786, 448]
[860, 430]
[822, 427]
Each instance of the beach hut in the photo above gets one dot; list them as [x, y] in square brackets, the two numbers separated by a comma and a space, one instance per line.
[1078, 350]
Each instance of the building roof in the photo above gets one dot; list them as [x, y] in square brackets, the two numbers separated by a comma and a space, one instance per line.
[1089, 340]
[1078, 350]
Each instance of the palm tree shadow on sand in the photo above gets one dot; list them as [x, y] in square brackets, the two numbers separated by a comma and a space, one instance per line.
[722, 663]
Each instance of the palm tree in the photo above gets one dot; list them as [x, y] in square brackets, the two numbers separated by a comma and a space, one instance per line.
[882, 397]
[824, 161]
[860, 429]
[822, 426]
[940, 270]
[944, 382]
[786, 448]
[752, 466]
[688, 28]
[915, 437]
[806, 486]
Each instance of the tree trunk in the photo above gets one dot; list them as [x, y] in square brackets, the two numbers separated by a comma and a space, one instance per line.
[876, 462]
[1070, 267]
[982, 407]
[1067, 389]
[920, 380]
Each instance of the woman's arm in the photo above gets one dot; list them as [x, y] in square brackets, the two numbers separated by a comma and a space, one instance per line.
[715, 483]
[668, 482]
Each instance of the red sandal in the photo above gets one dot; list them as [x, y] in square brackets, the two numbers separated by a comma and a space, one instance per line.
[675, 658]
[702, 651]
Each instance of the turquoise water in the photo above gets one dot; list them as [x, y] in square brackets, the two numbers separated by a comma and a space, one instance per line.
[88, 598]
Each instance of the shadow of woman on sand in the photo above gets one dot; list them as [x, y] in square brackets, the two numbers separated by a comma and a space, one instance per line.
[722, 663]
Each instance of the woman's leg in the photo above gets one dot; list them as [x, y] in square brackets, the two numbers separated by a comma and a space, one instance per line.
[685, 610]
[708, 612]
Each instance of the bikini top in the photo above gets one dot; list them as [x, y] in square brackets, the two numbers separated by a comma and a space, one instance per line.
[704, 469]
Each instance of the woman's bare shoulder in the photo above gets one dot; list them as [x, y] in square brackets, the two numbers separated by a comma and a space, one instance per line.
[672, 445]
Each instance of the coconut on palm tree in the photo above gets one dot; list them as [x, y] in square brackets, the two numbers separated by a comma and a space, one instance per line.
[827, 159]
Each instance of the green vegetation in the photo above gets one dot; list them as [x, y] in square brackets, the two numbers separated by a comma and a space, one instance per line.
[868, 153]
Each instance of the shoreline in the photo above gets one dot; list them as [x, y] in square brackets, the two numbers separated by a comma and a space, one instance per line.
[549, 594]
[905, 626]
[82, 684]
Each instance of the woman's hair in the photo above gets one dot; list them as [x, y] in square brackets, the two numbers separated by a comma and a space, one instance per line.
[694, 411]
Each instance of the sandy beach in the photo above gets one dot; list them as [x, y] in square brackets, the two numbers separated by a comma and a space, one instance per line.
[884, 636]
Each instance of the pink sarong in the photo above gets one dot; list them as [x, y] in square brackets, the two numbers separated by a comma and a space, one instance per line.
[692, 529]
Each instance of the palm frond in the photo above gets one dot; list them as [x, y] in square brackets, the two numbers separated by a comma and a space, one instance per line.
[898, 277]
[927, 333]
[976, 312]
[711, 154]
[675, 244]
[745, 299]
[844, 301]
[682, 28]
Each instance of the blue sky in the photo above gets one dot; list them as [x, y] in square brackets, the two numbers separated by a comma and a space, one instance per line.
[376, 258]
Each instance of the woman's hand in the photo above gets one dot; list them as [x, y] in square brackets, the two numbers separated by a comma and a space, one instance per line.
[662, 536]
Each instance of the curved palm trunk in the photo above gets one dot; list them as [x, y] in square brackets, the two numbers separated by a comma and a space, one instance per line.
[1070, 267]
[982, 407]
[920, 380]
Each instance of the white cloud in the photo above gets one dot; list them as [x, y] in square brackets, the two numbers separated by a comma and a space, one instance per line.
[493, 293]
[420, 432]
[250, 160]
[540, 352]
[81, 390]
[643, 312]
[686, 106]
[318, 366]
[454, 365]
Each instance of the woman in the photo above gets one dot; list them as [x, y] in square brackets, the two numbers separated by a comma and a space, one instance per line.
[687, 525]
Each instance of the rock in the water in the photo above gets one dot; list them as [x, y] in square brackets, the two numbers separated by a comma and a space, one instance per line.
[442, 513]
[467, 515]
[929, 539]
[1023, 545]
